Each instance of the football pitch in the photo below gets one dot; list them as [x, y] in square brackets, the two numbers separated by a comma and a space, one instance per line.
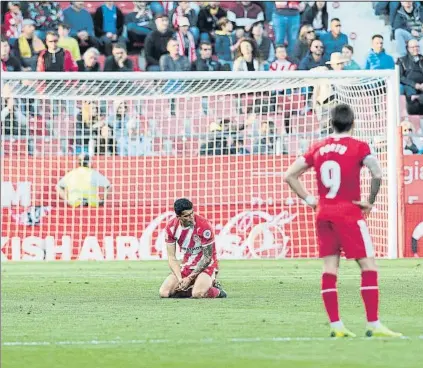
[109, 315]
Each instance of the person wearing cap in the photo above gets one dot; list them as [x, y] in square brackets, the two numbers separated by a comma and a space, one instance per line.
[185, 9]
[186, 41]
[12, 26]
[28, 46]
[337, 61]
[156, 42]
[83, 186]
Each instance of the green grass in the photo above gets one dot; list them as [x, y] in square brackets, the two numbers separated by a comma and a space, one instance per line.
[77, 302]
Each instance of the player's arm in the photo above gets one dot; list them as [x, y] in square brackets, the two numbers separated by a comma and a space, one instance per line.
[204, 262]
[292, 175]
[372, 163]
[173, 262]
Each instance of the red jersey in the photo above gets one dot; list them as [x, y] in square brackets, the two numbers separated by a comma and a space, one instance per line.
[192, 240]
[338, 162]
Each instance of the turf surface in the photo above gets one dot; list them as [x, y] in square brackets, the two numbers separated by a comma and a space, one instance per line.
[109, 315]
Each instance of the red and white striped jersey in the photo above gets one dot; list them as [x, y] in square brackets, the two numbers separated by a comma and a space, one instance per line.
[281, 65]
[192, 240]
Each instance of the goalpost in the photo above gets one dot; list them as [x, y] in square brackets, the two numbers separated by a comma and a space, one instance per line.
[221, 139]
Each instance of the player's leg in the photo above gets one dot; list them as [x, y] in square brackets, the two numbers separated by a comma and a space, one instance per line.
[329, 249]
[204, 288]
[358, 245]
[167, 290]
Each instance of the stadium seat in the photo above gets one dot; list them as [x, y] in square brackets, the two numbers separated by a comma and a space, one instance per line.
[37, 127]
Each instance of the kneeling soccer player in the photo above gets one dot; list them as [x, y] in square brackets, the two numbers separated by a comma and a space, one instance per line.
[195, 277]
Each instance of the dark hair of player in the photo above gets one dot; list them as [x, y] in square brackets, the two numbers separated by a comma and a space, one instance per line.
[84, 160]
[342, 118]
[181, 205]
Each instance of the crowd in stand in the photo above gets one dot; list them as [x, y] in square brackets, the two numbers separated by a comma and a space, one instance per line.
[204, 36]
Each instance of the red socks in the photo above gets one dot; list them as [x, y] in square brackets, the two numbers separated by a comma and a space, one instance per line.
[370, 294]
[330, 296]
[213, 293]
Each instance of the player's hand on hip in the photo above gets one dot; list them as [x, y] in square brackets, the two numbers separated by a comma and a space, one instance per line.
[365, 206]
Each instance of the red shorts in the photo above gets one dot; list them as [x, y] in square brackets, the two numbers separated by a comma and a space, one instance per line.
[211, 271]
[351, 236]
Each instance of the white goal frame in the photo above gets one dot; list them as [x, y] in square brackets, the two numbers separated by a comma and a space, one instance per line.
[236, 82]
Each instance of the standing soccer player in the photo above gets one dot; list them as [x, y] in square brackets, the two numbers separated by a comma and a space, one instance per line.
[196, 275]
[340, 225]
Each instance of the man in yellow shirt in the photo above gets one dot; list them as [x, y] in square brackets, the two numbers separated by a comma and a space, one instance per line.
[83, 186]
[68, 43]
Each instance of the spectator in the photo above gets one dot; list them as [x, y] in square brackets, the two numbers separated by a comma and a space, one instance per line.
[282, 63]
[302, 46]
[245, 14]
[335, 39]
[13, 121]
[317, 17]
[248, 58]
[265, 139]
[81, 26]
[238, 147]
[377, 59]
[347, 53]
[80, 186]
[337, 61]
[105, 144]
[119, 118]
[156, 42]
[28, 46]
[225, 43]
[186, 40]
[265, 45]
[286, 23]
[184, 9]
[55, 59]
[119, 61]
[408, 23]
[108, 24]
[411, 145]
[85, 122]
[387, 8]
[217, 143]
[47, 15]
[89, 62]
[411, 76]
[12, 26]
[68, 43]
[133, 143]
[8, 62]
[205, 63]
[208, 20]
[139, 22]
[173, 61]
[315, 58]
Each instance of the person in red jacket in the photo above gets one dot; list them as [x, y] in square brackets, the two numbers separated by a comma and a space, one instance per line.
[55, 59]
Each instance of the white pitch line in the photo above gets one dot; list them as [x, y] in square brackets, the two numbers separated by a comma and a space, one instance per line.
[203, 341]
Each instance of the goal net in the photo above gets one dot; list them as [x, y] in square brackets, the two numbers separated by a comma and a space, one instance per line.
[222, 139]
